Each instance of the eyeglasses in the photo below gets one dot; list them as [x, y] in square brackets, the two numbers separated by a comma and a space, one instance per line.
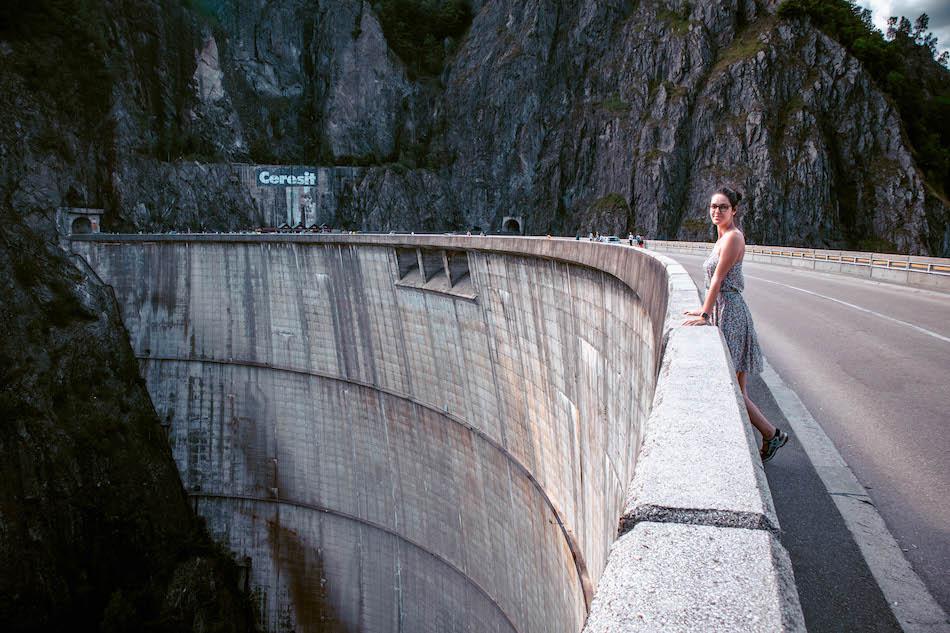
[720, 207]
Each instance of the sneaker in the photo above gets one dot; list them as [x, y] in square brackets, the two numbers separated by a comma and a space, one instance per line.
[771, 446]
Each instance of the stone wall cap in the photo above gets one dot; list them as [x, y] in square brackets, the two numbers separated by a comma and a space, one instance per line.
[680, 578]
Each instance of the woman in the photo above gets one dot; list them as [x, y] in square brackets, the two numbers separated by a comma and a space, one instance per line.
[725, 308]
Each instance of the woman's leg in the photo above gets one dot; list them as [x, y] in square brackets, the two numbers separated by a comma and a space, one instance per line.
[759, 421]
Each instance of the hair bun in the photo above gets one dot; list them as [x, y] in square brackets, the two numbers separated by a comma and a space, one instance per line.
[733, 195]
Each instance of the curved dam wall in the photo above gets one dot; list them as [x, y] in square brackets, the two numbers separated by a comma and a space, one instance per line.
[411, 433]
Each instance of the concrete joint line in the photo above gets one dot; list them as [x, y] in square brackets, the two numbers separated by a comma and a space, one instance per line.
[906, 594]
[696, 516]
[370, 524]
[580, 565]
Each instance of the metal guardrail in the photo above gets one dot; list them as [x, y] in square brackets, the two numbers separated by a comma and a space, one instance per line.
[932, 265]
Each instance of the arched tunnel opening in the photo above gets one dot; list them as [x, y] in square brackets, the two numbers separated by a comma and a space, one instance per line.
[81, 225]
[512, 225]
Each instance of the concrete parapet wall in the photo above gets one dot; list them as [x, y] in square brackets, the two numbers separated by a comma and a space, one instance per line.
[407, 457]
[694, 462]
[932, 273]
[698, 547]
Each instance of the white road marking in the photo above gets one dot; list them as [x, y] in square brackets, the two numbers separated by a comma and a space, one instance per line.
[913, 606]
[851, 305]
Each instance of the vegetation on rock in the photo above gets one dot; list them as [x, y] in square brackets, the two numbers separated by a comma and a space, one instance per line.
[609, 214]
[423, 32]
[745, 46]
[614, 104]
[902, 63]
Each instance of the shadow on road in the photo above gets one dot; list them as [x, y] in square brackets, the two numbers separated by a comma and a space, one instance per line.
[836, 588]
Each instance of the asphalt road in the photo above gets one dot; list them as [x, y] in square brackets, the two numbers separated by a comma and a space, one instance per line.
[871, 362]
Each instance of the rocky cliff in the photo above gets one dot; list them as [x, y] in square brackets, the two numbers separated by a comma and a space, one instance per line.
[95, 530]
[574, 114]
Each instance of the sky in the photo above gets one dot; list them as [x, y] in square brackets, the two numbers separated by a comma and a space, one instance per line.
[938, 10]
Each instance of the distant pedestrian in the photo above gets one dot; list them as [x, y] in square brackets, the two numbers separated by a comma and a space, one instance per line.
[724, 307]
[630, 238]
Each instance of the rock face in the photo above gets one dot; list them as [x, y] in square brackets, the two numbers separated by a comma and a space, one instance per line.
[659, 105]
[95, 530]
[576, 115]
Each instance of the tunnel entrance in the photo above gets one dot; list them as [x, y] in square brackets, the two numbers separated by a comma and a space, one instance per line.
[511, 225]
[81, 225]
[78, 220]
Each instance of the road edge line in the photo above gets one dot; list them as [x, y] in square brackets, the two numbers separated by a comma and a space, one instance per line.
[906, 594]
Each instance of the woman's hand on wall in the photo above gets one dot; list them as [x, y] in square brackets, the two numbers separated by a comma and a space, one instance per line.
[697, 317]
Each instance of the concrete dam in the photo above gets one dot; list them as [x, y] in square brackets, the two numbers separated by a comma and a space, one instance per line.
[438, 433]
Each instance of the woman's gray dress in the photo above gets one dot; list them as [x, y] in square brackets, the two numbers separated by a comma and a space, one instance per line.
[732, 316]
